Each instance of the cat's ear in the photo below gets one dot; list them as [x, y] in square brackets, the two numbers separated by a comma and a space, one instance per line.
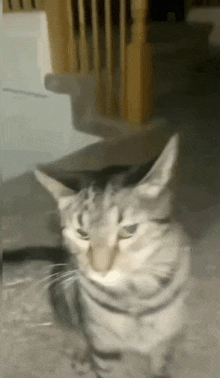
[161, 173]
[62, 195]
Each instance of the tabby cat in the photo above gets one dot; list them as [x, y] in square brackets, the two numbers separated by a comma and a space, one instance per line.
[128, 265]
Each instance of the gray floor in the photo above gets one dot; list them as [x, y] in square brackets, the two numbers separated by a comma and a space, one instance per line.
[187, 73]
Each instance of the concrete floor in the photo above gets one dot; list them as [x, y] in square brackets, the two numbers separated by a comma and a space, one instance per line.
[187, 75]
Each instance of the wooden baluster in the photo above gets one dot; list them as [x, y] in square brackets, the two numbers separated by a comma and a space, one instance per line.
[122, 47]
[100, 89]
[39, 4]
[95, 30]
[6, 6]
[60, 30]
[111, 105]
[16, 6]
[138, 96]
[83, 43]
[27, 5]
[22, 5]
[72, 44]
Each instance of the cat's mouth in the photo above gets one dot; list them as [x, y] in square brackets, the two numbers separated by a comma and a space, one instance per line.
[111, 277]
[102, 260]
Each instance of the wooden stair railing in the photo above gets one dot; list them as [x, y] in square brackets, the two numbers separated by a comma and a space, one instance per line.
[100, 101]
[110, 102]
[72, 53]
[10, 6]
[62, 38]
[138, 74]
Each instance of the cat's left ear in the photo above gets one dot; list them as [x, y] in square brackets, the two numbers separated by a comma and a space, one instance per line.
[62, 195]
[161, 173]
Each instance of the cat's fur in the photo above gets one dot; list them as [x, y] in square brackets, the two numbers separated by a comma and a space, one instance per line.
[129, 261]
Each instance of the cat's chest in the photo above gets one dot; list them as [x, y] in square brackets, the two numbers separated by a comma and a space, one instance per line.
[131, 315]
[127, 294]
[111, 328]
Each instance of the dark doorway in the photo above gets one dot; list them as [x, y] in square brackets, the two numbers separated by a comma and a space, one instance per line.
[159, 9]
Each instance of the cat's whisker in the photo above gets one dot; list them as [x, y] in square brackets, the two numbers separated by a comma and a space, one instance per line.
[53, 265]
[45, 279]
[73, 276]
[32, 287]
[70, 280]
[61, 277]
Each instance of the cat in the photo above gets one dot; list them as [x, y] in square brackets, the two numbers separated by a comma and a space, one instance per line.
[128, 265]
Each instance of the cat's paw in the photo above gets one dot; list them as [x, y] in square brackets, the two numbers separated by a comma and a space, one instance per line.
[81, 362]
[164, 374]
[82, 369]
[81, 355]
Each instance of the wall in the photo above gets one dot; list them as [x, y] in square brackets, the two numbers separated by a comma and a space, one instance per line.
[37, 124]
[207, 15]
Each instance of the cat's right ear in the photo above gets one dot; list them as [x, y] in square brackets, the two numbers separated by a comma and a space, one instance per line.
[62, 195]
[160, 175]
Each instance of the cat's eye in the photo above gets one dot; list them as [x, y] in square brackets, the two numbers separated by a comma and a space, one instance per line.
[128, 231]
[83, 234]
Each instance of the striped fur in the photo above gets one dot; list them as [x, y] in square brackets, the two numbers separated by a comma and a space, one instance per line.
[132, 263]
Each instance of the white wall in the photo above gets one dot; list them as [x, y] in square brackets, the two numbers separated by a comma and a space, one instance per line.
[36, 123]
[207, 15]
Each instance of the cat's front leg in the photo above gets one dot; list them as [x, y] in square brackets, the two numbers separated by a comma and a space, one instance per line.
[163, 357]
[67, 310]
[81, 353]
[107, 364]
[122, 365]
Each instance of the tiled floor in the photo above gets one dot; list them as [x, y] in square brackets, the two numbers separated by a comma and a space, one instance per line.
[188, 96]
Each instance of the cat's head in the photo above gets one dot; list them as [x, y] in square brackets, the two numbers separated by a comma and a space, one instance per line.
[112, 219]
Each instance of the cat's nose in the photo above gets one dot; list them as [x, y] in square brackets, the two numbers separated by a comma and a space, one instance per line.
[101, 259]
[101, 265]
